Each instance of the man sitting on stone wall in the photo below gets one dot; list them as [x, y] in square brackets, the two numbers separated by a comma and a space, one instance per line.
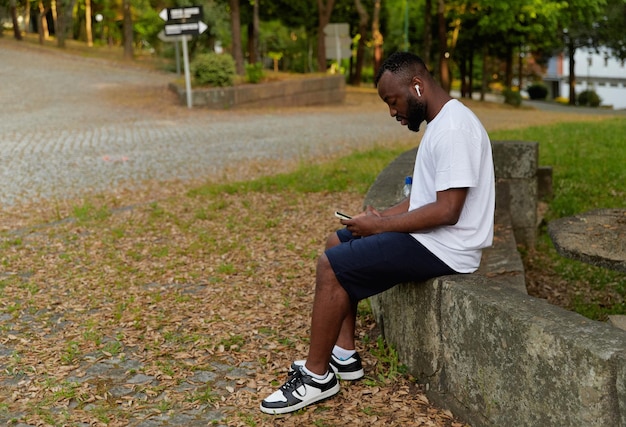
[440, 229]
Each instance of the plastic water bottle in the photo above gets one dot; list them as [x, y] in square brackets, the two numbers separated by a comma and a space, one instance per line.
[408, 182]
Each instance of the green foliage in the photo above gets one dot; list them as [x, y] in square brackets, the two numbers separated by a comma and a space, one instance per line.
[512, 97]
[387, 356]
[213, 69]
[537, 91]
[286, 44]
[612, 28]
[147, 26]
[589, 98]
[254, 72]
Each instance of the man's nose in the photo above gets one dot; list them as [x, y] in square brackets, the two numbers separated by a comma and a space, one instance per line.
[393, 112]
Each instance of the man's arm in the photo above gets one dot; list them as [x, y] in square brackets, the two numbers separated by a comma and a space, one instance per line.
[446, 210]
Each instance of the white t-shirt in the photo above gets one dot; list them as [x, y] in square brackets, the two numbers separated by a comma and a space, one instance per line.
[455, 152]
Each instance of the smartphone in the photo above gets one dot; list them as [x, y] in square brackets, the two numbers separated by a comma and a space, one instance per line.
[342, 215]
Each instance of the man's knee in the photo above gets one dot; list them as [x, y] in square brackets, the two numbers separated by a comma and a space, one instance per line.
[332, 240]
[325, 273]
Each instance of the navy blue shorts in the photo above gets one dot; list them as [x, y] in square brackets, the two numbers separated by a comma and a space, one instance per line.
[367, 266]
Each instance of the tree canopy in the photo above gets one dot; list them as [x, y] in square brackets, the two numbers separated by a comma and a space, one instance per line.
[483, 39]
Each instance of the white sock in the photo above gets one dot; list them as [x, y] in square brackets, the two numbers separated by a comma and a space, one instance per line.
[313, 374]
[342, 353]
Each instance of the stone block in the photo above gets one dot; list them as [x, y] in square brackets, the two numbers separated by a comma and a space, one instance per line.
[499, 357]
[515, 159]
[422, 323]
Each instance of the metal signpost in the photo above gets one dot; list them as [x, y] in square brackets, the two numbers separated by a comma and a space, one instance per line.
[181, 22]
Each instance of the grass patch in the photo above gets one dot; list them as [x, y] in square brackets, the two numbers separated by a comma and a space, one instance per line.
[355, 173]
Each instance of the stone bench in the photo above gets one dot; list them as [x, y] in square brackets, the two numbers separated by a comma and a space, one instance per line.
[484, 348]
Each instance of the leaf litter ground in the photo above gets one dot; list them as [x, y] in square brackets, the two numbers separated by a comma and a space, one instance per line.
[184, 311]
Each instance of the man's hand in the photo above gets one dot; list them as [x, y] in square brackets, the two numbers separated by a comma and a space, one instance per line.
[364, 224]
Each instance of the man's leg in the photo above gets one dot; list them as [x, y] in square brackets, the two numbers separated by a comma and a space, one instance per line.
[346, 362]
[331, 305]
[348, 327]
[331, 310]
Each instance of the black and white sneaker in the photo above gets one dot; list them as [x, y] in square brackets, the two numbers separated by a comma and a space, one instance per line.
[348, 370]
[299, 391]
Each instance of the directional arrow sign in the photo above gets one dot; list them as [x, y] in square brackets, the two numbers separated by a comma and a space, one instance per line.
[177, 13]
[192, 28]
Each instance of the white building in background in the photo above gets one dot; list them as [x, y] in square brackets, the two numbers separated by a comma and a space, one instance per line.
[600, 72]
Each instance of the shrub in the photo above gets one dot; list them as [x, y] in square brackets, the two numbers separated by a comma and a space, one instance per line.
[213, 69]
[589, 98]
[512, 97]
[561, 100]
[537, 91]
[254, 72]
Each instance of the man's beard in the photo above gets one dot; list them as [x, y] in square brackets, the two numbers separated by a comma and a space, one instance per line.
[415, 115]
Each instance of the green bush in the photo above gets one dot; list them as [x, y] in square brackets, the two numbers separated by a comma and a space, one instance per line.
[213, 69]
[254, 72]
[589, 98]
[512, 97]
[537, 91]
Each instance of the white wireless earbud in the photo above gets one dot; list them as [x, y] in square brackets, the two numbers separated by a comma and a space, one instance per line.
[417, 88]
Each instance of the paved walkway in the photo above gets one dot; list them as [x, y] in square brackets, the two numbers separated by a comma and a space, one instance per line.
[70, 125]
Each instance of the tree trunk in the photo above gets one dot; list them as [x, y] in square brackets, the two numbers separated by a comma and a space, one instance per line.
[572, 74]
[253, 34]
[325, 10]
[235, 27]
[42, 23]
[377, 37]
[485, 82]
[53, 11]
[470, 83]
[63, 20]
[428, 33]
[520, 70]
[88, 29]
[60, 26]
[364, 19]
[444, 71]
[508, 73]
[128, 31]
[256, 25]
[16, 27]
[27, 17]
[463, 75]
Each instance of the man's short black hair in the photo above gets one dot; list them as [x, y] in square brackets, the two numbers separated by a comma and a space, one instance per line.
[402, 63]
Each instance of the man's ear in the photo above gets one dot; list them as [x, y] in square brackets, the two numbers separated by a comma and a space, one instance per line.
[417, 86]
